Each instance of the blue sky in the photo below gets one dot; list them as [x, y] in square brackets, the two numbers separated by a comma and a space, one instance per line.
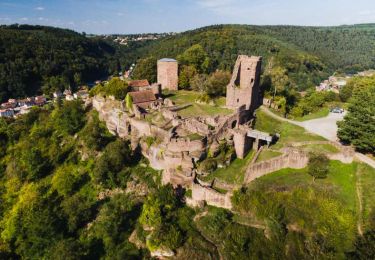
[133, 16]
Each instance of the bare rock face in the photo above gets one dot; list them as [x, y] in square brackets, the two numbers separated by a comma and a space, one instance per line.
[162, 253]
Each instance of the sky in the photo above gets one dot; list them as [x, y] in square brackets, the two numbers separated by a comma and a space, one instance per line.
[143, 16]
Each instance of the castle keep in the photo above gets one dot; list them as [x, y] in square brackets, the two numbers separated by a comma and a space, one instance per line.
[168, 74]
[243, 89]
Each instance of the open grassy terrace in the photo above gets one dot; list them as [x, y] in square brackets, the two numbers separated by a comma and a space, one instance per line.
[183, 97]
[289, 133]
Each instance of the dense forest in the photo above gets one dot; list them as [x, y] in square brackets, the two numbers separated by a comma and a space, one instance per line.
[35, 59]
[307, 54]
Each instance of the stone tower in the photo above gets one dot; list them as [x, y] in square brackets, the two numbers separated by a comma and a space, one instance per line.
[168, 74]
[244, 89]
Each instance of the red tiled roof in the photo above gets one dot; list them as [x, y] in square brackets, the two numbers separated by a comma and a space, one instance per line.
[142, 96]
[139, 83]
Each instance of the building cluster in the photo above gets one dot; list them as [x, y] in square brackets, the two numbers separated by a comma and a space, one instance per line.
[16, 107]
[333, 83]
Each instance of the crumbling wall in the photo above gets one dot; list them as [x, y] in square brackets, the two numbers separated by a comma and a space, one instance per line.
[244, 88]
[210, 196]
[182, 144]
[195, 126]
[291, 159]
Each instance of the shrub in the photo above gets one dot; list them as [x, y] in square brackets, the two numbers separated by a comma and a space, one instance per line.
[318, 166]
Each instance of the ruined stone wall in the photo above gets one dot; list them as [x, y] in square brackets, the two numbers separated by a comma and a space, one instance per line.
[184, 145]
[291, 159]
[244, 88]
[195, 126]
[211, 197]
[168, 74]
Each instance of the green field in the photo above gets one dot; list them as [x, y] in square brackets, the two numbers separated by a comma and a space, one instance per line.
[289, 133]
[183, 97]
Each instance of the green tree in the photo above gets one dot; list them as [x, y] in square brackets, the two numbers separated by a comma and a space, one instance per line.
[358, 127]
[151, 213]
[197, 57]
[115, 87]
[129, 102]
[69, 118]
[185, 77]
[318, 166]
[217, 83]
[199, 82]
[146, 69]
[95, 134]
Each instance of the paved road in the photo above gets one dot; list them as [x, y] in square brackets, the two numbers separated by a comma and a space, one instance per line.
[325, 127]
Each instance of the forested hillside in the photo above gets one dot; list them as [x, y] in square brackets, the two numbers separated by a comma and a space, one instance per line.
[40, 59]
[37, 58]
[304, 54]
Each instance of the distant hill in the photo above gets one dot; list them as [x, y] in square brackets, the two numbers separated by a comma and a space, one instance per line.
[307, 53]
[36, 56]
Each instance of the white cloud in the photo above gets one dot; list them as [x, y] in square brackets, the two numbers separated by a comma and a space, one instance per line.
[40, 8]
[120, 14]
[24, 19]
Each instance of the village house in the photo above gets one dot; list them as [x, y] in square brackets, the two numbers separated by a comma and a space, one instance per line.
[57, 94]
[143, 99]
[143, 85]
[6, 113]
[40, 100]
[81, 94]
[27, 102]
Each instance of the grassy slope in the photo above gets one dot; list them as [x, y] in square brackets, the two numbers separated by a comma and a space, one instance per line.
[288, 132]
[367, 183]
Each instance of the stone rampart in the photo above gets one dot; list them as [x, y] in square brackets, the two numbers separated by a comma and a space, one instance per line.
[211, 197]
[291, 159]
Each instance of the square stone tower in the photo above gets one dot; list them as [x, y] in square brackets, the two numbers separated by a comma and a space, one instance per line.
[168, 74]
[244, 89]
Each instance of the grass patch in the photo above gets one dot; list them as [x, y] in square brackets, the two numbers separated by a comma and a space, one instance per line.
[323, 112]
[321, 148]
[367, 182]
[341, 180]
[183, 97]
[234, 173]
[195, 137]
[267, 154]
[288, 132]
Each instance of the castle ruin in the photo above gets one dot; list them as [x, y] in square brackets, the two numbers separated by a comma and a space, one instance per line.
[244, 89]
[168, 74]
[180, 144]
